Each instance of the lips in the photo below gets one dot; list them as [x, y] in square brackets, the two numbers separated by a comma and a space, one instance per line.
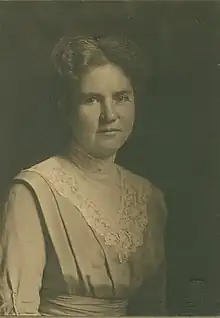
[108, 129]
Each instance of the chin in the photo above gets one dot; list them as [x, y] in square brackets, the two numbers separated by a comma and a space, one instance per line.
[107, 149]
[105, 152]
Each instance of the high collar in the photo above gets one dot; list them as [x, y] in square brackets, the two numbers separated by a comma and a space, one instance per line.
[93, 167]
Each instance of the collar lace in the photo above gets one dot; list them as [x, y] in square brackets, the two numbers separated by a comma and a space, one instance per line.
[123, 232]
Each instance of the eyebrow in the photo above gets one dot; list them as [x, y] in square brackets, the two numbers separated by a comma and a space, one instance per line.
[122, 92]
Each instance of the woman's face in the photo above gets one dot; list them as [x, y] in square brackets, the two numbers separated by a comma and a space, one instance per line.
[104, 114]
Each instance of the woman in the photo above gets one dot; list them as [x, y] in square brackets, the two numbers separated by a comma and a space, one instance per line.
[83, 236]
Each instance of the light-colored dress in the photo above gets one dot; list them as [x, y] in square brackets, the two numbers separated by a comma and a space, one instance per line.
[69, 248]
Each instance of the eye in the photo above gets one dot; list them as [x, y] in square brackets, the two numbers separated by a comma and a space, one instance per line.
[92, 100]
[123, 98]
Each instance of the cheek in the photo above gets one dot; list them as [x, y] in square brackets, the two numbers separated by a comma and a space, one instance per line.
[127, 116]
[87, 119]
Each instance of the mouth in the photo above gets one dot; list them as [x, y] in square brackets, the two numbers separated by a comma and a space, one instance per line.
[108, 130]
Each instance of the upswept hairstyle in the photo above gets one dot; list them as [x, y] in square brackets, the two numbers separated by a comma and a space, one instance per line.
[73, 56]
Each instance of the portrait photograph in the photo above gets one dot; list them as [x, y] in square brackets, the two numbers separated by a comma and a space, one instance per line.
[109, 161]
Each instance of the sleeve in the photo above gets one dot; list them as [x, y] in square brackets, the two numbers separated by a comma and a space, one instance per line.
[151, 297]
[22, 254]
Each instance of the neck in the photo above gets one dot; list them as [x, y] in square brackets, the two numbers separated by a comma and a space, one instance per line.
[88, 163]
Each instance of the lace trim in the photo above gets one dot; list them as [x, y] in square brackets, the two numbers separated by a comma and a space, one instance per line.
[125, 233]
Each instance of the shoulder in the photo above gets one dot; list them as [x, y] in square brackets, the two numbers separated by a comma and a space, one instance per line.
[141, 183]
[51, 175]
[38, 173]
[155, 198]
[27, 183]
[31, 183]
[136, 181]
[22, 188]
[44, 166]
[28, 193]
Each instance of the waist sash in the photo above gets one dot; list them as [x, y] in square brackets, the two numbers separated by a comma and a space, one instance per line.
[82, 306]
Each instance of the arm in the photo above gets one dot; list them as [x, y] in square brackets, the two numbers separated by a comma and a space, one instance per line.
[22, 254]
[151, 297]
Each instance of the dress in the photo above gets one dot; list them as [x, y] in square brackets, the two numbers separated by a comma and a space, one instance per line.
[104, 263]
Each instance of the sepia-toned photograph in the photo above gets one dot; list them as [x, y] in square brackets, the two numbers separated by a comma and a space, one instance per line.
[109, 168]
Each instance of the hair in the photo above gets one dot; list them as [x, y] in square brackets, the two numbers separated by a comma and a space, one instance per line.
[74, 56]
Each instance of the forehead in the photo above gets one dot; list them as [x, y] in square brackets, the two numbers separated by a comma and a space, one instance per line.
[105, 79]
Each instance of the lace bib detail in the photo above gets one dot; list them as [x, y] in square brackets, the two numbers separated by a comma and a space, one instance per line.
[123, 232]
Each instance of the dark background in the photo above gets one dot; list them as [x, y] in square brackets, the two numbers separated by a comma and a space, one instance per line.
[176, 143]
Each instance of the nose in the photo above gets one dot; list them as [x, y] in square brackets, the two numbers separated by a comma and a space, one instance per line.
[108, 112]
